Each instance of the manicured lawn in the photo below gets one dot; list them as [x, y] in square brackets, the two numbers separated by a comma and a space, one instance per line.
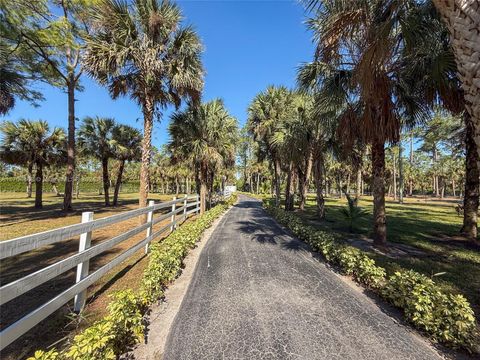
[431, 226]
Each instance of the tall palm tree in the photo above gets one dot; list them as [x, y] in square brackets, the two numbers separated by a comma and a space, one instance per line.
[127, 146]
[205, 135]
[267, 113]
[31, 143]
[361, 44]
[462, 18]
[95, 137]
[144, 51]
[432, 70]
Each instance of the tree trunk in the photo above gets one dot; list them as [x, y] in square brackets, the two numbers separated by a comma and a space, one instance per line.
[461, 18]
[378, 189]
[472, 184]
[29, 180]
[303, 180]
[318, 175]
[77, 190]
[203, 188]
[276, 165]
[359, 183]
[148, 108]
[394, 176]
[118, 182]
[106, 181]
[454, 188]
[348, 184]
[39, 186]
[290, 188]
[68, 193]
[258, 183]
[400, 173]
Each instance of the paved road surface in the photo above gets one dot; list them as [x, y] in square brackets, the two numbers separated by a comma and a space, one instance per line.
[257, 293]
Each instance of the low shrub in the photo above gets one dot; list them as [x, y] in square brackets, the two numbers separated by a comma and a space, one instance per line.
[123, 327]
[446, 318]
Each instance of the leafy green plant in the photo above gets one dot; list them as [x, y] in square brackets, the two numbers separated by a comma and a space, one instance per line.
[352, 213]
[447, 318]
[44, 355]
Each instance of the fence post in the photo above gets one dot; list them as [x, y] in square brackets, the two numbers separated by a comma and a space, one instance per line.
[185, 207]
[197, 204]
[82, 268]
[150, 228]
[172, 220]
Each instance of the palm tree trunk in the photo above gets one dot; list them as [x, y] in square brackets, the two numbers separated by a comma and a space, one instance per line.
[378, 189]
[276, 165]
[118, 183]
[290, 188]
[39, 186]
[29, 180]
[400, 173]
[106, 181]
[461, 18]
[303, 180]
[203, 188]
[318, 175]
[148, 107]
[359, 183]
[394, 176]
[77, 190]
[472, 184]
[68, 193]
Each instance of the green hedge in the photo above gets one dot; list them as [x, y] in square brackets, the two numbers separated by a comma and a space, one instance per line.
[15, 184]
[446, 318]
[123, 326]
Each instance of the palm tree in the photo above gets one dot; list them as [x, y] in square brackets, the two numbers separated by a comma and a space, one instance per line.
[361, 46]
[267, 114]
[205, 135]
[30, 143]
[95, 137]
[431, 59]
[127, 146]
[461, 18]
[143, 51]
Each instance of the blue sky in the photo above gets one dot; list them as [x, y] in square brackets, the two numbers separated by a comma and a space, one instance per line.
[248, 46]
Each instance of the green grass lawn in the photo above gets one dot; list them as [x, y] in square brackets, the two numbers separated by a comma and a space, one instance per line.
[430, 226]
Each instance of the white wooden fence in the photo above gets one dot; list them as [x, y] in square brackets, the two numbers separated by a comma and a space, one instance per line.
[188, 205]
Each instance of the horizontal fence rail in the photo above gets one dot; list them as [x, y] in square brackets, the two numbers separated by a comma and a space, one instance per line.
[181, 208]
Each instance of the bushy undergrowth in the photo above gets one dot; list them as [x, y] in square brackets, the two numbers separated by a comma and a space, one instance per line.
[123, 326]
[17, 184]
[446, 318]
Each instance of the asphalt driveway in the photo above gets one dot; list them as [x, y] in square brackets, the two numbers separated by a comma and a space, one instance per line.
[257, 293]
